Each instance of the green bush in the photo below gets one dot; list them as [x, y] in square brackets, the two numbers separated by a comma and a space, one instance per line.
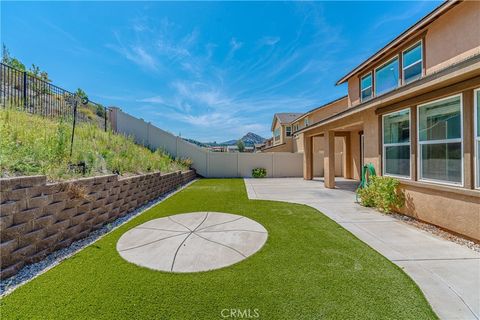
[259, 173]
[382, 193]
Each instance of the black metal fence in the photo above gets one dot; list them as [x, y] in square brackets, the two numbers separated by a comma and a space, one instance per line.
[22, 90]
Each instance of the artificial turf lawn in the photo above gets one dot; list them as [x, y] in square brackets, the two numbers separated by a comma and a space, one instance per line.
[310, 268]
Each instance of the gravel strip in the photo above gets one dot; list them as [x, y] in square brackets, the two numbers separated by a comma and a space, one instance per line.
[437, 231]
[31, 271]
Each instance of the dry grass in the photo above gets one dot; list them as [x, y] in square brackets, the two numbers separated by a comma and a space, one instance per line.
[31, 144]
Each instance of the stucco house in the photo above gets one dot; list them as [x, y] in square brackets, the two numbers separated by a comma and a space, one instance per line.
[282, 132]
[413, 111]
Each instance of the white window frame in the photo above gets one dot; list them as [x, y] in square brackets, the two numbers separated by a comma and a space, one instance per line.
[380, 67]
[476, 138]
[275, 139]
[421, 61]
[363, 89]
[305, 122]
[409, 143]
[420, 143]
[287, 131]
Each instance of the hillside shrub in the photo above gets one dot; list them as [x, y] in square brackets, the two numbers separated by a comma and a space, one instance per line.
[87, 112]
[259, 173]
[382, 193]
[31, 145]
[187, 162]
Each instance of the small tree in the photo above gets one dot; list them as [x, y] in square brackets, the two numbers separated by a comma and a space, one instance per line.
[36, 72]
[241, 146]
[17, 64]
[11, 61]
[81, 94]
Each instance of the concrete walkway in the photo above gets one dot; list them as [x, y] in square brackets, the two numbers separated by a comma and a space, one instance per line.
[447, 273]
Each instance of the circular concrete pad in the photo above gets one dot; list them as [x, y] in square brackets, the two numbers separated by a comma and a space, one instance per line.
[192, 242]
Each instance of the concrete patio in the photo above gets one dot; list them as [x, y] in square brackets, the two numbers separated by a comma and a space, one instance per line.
[446, 272]
[192, 242]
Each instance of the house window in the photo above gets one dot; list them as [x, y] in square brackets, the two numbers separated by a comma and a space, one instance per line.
[366, 87]
[276, 134]
[477, 136]
[412, 63]
[305, 122]
[396, 144]
[288, 131]
[386, 77]
[440, 140]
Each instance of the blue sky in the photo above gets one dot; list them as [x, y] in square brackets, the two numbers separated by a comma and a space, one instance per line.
[211, 71]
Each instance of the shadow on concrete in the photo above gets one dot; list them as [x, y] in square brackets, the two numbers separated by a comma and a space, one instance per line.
[342, 184]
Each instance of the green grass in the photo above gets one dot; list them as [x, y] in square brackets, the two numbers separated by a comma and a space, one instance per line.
[31, 144]
[310, 268]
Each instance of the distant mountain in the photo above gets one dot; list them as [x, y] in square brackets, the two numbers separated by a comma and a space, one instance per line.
[249, 140]
[198, 143]
[228, 143]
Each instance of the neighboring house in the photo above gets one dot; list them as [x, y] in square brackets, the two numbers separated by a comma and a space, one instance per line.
[313, 116]
[232, 149]
[413, 111]
[258, 147]
[218, 148]
[282, 132]
[293, 141]
[268, 143]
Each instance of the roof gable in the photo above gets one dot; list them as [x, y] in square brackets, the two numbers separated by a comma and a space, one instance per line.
[285, 118]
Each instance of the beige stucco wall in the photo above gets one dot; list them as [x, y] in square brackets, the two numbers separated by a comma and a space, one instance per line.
[277, 126]
[284, 147]
[329, 110]
[353, 91]
[455, 212]
[297, 141]
[283, 133]
[370, 122]
[372, 135]
[453, 37]
[323, 112]
[355, 153]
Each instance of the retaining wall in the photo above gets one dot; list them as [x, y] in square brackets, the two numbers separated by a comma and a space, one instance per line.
[37, 218]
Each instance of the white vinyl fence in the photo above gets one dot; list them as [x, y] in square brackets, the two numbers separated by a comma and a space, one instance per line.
[215, 164]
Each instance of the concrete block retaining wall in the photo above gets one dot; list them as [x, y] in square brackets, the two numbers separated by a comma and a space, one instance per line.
[37, 218]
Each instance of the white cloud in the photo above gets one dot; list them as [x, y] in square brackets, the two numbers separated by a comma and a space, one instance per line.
[155, 99]
[225, 98]
[142, 57]
[269, 41]
[136, 53]
[404, 15]
[234, 46]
